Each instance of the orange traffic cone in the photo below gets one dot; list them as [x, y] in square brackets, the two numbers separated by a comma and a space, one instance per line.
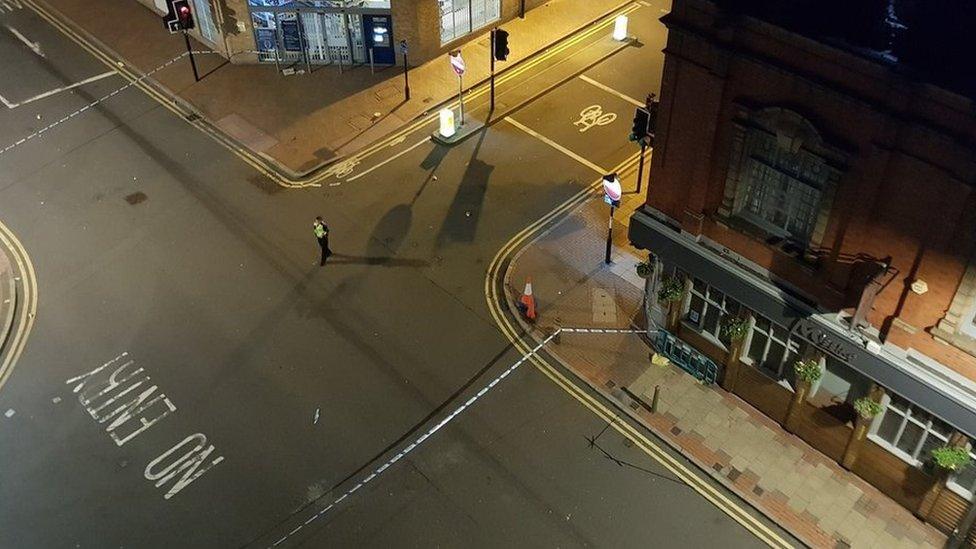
[527, 301]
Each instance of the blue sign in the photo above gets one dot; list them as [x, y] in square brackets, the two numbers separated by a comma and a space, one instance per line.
[291, 35]
[266, 40]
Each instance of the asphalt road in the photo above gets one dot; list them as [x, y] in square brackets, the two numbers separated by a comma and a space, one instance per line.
[161, 255]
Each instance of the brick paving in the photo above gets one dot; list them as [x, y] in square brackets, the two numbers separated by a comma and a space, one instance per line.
[799, 488]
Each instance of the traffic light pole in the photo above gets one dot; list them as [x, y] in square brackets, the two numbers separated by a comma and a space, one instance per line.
[406, 79]
[491, 53]
[640, 164]
[606, 259]
[189, 50]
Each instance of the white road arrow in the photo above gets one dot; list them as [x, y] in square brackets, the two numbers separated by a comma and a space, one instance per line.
[34, 46]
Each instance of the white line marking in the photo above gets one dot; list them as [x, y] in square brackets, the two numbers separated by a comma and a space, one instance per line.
[608, 89]
[59, 90]
[420, 440]
[6, 103]
[34, 46]
[390, 159]
[556, 146]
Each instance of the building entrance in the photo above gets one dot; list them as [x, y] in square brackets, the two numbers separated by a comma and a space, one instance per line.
[315, 32]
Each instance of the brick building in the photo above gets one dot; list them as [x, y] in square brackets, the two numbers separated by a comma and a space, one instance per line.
[812, 183]
[324, 32]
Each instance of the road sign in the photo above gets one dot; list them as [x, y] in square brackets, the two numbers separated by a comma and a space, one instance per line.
[612, 191]
[403, 47]
[457, 63]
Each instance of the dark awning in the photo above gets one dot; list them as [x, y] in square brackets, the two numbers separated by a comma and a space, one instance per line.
[788, 309]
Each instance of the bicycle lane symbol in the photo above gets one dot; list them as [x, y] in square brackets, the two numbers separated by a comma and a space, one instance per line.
[594, 116]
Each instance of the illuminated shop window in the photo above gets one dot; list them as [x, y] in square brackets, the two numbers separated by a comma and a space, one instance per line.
[461, 17]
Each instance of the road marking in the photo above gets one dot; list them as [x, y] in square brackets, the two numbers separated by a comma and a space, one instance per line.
[608, 89]
[710, 493]
[6, 103]
[314, 180]
[10, 5]
[28, 282]
[390, 159]
[34, 46]
[420, 440]
[594, 116]
[556, 146]
[49, 93]
[482, 89]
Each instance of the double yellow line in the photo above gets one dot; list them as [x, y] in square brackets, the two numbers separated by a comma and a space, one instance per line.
[492, 284]
[315, 180]
[140, 82]
[28, 305]
[484, 88]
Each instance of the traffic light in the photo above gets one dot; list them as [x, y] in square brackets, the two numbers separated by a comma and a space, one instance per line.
[181, 8]
[501, 44]
[642, 120]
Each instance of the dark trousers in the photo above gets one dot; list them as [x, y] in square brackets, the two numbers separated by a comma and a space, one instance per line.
[326, 252]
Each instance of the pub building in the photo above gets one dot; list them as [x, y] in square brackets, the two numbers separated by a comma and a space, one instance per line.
[812, 184]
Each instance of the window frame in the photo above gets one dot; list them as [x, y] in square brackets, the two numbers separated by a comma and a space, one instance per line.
[892, 447]
[708, 301]
[790, 344]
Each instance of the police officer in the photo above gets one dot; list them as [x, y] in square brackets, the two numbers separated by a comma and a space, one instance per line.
[321, 231]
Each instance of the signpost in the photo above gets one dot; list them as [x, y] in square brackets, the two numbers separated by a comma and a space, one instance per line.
[457, 63]
[612, 191]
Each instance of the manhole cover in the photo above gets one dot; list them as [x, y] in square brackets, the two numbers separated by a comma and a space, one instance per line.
[136, 198]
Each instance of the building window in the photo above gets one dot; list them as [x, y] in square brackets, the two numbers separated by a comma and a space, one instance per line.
[772, 350]
[781, 187]
[204, 20]
[708, 309]
[461, 17]
[907, 431]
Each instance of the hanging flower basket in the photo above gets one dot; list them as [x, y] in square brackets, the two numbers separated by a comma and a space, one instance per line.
[644, 270]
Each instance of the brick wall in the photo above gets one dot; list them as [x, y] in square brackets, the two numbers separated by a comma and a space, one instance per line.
[907, 177]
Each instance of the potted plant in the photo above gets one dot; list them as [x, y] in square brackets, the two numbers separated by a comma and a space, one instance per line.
[644, 269]
[950, 459]
[866, 408]
[807, 373]
[671, 291]
[946, 460]
[735, 329]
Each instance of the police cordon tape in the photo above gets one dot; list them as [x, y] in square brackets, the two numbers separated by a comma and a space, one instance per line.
[107, 96]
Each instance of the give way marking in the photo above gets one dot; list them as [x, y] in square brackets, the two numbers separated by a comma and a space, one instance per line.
[11, 105]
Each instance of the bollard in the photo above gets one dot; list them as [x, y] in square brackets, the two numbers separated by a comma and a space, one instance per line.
[657, 392]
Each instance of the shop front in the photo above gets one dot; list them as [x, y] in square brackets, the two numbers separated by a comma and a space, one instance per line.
[323, 32]
[923, 405]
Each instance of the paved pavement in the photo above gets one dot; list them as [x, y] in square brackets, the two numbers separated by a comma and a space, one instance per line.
[797, 487]
[269, 386]
[301, 122]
